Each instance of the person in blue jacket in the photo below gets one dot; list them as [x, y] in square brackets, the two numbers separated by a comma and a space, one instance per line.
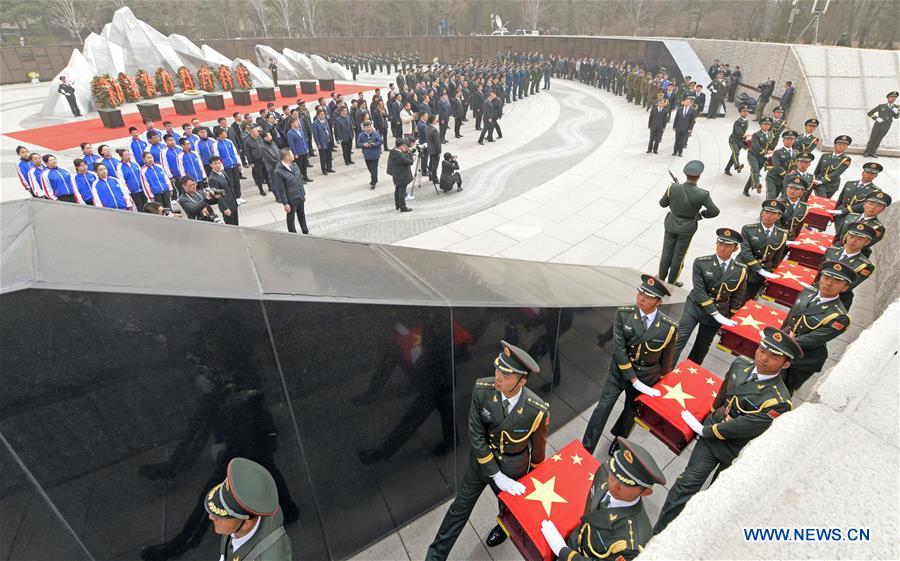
[231, 159]
[83, 179]
[370, 141]
[129, 172]
[138, 145]
[300, 147]
[111, 162]
[87, 154]
[157, 186]
[23, 169]
[57, 182]
[109, 192]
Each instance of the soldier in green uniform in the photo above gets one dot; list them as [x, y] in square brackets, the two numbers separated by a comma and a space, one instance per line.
[884, 116]
[629, 85]
[643, 347]
[855, 193]
[752, 395]
[795, 210]
[244, 511]
[803, 161]
[763, 247]
[508, 426]
[859, 235]
[831, 166]
[719, 285]
[684, 201]
[615, 521]
[778, 122]
[807, 142]
[783, 162]
[536, 73]
[817, 316]
[736, 140]
[874, 205]
[717, 89]
[761, 143]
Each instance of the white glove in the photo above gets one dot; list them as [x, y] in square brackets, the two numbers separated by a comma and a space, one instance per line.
[835, 211]
[793, 242]
[823, 248]
[724, 320]
[511, 486]
[766, 274]
[804, 285]
[645, 389]
[879, 120]
[692, 422]
[553, 537]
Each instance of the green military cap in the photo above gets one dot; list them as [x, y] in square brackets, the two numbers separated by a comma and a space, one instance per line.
[773, 205]
[765, 121]
[651, 286]
[838, 270]
[862, 230]
[513, 360]
[873, 167]
[843, 138]
[687, 78]
[892, 94]
[789, 134]
[814, 122]
[780, 343]
[798, 182]
[879, 197]
[727, 235]
[248, 490]
[806, 157]
[743, 108]
[691, 97]
[778, 110]
[633, 466]
[693, 168]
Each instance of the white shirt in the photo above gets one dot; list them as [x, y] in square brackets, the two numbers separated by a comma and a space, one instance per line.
[651, 315]
[616, 503]
[513, 400]
[824, 300]
[762, 377]
[236, 542]
[724, 264]
[845, 255]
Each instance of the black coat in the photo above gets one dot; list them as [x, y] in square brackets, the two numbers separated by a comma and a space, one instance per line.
[658, 118]
[228, 201]
[684, 123]
[398, 166]
[287, 185]
[487, 110]
[449, 176]
[433, 138]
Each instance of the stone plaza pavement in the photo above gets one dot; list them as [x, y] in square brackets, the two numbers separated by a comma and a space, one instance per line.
[569, 183]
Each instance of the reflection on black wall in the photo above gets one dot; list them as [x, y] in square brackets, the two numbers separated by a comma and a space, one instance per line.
[127, 408]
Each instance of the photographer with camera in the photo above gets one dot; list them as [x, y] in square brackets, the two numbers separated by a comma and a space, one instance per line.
[197, 205]
[399, 166]
[370, 141]
[220, 182]
[449, 174]
[766, 89]
[287, 184]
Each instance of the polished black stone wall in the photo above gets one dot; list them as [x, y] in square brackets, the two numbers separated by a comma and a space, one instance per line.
[118, 411]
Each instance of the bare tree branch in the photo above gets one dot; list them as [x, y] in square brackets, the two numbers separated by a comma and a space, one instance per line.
[65, 14]
[531, 13]
[635, 12]
[310, 10]
[285, 9]
[259, 10]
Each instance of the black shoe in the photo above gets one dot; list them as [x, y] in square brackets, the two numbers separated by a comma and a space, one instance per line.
[746, 194]
[371, 186]
[679, 284]
[263, 193]
[481, 142]
[499, 137]
[727, 172]
[405, 209]
[330, 170]
[613, 447]
[496, 537]
[647, 152]
[655, 152]
[490, 140]
[740, 168]
[458, 189]
[307, 180]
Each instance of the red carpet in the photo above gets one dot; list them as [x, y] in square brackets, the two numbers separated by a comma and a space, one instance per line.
[71, 135]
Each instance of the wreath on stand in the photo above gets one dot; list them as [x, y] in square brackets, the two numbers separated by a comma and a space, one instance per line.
[225, 79]
[129, 87]
[146, 85]
[164, 82]
[185, 79]
[245, 82]
[106, 92]
[205, 78]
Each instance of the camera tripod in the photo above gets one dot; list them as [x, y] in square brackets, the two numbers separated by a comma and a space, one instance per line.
[417, 178]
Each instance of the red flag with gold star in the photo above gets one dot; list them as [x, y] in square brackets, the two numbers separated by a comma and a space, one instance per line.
[811, 249]
[743, 338]
[787, 286]
[556, 490]
[688, 386]
[818, 216]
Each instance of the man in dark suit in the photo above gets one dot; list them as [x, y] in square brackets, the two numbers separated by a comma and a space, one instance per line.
[659, 117]
[497, 101]
[236, 136]
[444, 112]
[457, 108]
[433, 139]
[322, 135]
[219, 180]
[487, 117]
[699, 99]
[399, 166]
[683, 125]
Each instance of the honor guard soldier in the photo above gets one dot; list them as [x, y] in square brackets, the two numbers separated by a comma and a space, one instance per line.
[244, 511]
[615, 524]
[884, 116]
[763, 246]
[855, 193]
[807, 142]
[752, 395]
[643, 347]
[795, 210]
[719, 287]
[874, 205]
[783, 162]
[684, 201]
[717, 90]
[736, 140]
[858, 236]
[761, 143]
[831, 166]
[778, 123]
[817, 316]
[803, 161]
[508, 426]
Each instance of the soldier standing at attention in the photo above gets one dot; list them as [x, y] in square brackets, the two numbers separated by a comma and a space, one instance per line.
[872, 207]
[615, 521]
[764, 245]
[752, 395]
[783, 162]
[719, 285]
[501, 406]
[736, 140]
[643, 347]
[859, 235]
[244, 511]
[684, 201]
[831, 166]
[884, 116]
[807, 142]
[761, 142]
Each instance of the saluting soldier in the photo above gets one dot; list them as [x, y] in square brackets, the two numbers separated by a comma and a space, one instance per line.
[831, 166]
[643, 347]
[873, 206]
[684, 201]
[244, 511]
[795, 210]
[763, 246]
[855, 193]
[817, 316]
[884, 116]
[736, 140]
[752, 395]
[807, 141]
[803, 160]
[761, 143]
[783, 161]
[858, 236]
[508, 426]
[719, 286]
[615, 521]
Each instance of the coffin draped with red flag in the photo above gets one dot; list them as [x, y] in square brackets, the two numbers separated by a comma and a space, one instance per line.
[556, 490]
[818, 216]
[810, 251]
[786, 287]
[743, 338]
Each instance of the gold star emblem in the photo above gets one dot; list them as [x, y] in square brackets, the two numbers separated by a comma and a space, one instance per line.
[751, 321]
[556, 457]
[576, 460]
[714, 395]
[757, 306]
[774, 312]
[675, 392]
[590, 477]
[676, 370]
[692, 370]
[790, 275]
[545, 494]
[710, 381]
